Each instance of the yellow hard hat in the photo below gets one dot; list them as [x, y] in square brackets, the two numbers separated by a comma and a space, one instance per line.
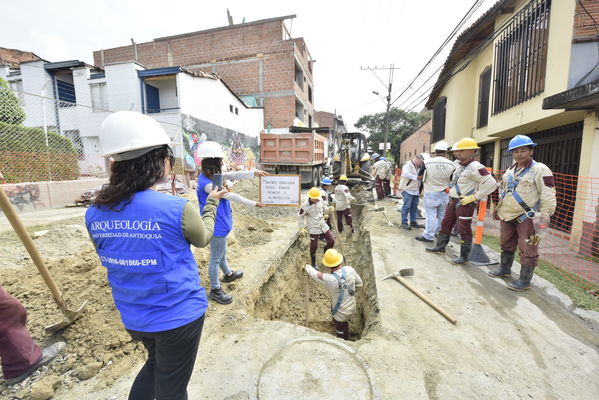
[314, 193]
[332, 258]
[343, 178]
[465, 144]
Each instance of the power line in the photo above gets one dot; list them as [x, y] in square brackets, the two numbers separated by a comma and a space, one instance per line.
[464, 19]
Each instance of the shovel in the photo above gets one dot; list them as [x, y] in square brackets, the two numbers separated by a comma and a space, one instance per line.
[69, 315]
[410, 272]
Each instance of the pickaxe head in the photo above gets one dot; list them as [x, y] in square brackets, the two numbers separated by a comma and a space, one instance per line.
[401, 272]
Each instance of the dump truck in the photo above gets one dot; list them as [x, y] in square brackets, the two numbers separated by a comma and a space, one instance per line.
[303, 153]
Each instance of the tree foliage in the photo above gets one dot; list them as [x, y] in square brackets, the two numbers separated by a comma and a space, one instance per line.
[401, 125]
[10, 107]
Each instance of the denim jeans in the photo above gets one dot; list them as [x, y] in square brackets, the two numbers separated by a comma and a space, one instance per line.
[218, 258]
[435, 204]
[410, 205]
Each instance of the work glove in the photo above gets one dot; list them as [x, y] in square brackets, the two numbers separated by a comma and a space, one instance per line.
[534, 239]
[303, 232]
[331, 209]
[464, 200]
[326, 216]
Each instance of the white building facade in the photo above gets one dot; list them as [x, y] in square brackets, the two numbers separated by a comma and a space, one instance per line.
[73, 98]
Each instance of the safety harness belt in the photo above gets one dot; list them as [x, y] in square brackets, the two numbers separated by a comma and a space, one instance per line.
[454, 183]
[342, 287]
[512, 182]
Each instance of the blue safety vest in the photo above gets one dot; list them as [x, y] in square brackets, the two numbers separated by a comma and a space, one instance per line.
[151, 270]
[224, 217]
[512, 183]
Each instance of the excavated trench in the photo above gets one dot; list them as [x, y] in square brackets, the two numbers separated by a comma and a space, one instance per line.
[288, 294]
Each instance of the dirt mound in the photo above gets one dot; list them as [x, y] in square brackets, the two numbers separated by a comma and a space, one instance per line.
[97, 343]
[61, 240]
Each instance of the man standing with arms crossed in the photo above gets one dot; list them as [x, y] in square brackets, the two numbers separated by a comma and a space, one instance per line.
[471, 182]
[409, 184]
[527, 201]
[437, 177]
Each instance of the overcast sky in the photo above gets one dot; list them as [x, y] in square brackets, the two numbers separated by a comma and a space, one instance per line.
[342, 36]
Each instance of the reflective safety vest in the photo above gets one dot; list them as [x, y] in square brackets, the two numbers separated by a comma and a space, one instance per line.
[151, 270]
[512, 184]
[224, 216]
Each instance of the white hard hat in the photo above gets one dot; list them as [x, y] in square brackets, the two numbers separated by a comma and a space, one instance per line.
[126, 135]
[441, 146]
[210, 150]
[425, 156]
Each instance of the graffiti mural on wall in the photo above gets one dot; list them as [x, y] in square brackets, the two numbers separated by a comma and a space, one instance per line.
[24, 195]
[240, 150]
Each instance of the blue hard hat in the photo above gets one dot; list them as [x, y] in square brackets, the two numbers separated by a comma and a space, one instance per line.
[326, 181]
[383, 158]
[520, 141]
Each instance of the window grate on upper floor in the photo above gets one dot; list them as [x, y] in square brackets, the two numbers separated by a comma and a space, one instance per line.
[521, 56]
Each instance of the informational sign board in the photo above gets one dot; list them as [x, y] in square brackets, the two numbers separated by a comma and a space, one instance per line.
[280, 190]
[382, 146]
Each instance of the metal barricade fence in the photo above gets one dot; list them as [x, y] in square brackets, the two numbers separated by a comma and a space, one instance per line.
[571, 245]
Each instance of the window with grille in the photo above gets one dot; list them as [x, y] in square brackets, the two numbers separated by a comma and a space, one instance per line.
[484, 88]
[17, 87]
[439, 119]
[521, 56]
[99, 97]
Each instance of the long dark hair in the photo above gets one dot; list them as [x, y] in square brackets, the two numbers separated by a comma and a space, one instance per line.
[211, 166]
[131, 176]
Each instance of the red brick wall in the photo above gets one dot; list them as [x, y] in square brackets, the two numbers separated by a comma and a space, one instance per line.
[325, 119]
[418, 142]
[237, 54]
[584, 27]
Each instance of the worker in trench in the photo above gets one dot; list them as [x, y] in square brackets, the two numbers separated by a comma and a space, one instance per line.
[143, 239]
[341, 283]
[343, 199]
[471, 182]
[212, 160]
[527, 201]
[325, 194]
[312, 213]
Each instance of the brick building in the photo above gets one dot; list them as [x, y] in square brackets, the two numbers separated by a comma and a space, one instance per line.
[418, 142]
[259, 60]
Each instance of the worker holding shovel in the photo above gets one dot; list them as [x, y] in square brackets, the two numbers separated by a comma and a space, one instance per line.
[143, 239]
[341, 284]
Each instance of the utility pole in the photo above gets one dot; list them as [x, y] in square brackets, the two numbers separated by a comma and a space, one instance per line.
[389, 87]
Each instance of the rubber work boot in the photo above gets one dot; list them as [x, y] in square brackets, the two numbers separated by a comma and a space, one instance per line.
[232, 276]
[220, 296]
[465, 248]
[442, 240]
[523, 282]
[505, 265]
[313, 260]
[48, 354]
[416, 225]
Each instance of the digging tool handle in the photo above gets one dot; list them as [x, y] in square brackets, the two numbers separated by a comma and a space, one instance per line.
[19, 228]
[404, 282]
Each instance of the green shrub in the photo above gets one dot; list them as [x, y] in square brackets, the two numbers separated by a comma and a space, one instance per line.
[10, 108]
[24, 156]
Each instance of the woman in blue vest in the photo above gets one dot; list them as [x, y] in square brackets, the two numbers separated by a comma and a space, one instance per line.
[212, 159]
[143, 239]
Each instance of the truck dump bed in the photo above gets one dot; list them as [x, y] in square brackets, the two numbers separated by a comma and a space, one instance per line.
[292, 148]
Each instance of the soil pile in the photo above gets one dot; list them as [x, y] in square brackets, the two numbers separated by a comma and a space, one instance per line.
[97, 343]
